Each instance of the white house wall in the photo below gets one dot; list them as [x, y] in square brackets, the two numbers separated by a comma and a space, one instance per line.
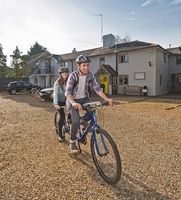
[139, 62]
[161, 69]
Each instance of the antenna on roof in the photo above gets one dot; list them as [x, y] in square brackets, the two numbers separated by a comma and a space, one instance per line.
[100, 15]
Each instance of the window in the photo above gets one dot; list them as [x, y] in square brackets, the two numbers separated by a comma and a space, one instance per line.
[178, 60]
[123, 58]
[123, 79]
[62, 64]
[139, 76]
[47, 66]
[165, 58]
[160, 79]
[102, 61]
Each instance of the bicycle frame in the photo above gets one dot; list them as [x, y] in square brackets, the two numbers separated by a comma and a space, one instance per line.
[91, 125]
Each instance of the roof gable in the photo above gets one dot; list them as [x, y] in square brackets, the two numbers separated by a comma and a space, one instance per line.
[106, 68]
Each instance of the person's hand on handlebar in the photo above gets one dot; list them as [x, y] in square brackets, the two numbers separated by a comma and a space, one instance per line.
[76, 106]
[110, 101]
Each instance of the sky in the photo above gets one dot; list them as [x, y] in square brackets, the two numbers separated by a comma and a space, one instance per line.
[62, 25]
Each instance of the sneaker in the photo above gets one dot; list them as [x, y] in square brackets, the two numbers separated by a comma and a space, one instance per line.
[61, 139]
[73, 148]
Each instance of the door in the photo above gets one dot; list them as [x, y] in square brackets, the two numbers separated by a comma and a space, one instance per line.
[104, 83]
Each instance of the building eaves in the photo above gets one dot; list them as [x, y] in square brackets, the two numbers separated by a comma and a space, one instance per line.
[175, 51]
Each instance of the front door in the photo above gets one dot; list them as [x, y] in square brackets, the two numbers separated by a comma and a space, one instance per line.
[104, 83]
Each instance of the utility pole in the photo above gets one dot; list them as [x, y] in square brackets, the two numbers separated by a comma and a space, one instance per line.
[100, 15]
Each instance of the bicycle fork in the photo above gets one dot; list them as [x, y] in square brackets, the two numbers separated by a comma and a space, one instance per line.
[101, 145]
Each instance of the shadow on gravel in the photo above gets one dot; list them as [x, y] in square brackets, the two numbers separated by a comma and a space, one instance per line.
[130, 188]
[126, 188]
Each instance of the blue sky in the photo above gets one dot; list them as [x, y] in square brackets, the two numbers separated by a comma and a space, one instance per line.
[61, 25]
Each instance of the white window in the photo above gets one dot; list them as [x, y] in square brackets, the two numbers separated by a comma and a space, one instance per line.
[102, 61]
[178, 60]
[123, 80]
[165, 58]
[123, 58]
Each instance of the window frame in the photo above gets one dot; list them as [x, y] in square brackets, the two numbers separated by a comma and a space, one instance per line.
[123, 58]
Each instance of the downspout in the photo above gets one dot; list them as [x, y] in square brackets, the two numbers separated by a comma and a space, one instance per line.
[116, 71]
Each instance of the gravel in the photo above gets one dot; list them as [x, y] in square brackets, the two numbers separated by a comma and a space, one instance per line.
[34, 165]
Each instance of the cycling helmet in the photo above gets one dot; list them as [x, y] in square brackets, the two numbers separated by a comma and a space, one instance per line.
[63, 69]
[83, 59]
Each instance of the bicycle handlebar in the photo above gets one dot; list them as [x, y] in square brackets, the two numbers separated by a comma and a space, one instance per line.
[95, 104]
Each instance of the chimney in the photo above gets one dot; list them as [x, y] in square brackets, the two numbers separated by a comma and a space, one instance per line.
[108, 40]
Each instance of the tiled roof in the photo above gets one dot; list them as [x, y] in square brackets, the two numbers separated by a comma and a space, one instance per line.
[127, 46]
[74, 55]
[108, 68]
[35, 58]
[132, 44]
[176, 50]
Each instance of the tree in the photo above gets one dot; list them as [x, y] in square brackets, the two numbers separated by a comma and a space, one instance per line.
[2, 62]
[19, 64]
[36, 48]
[16, 61]
[119, 40]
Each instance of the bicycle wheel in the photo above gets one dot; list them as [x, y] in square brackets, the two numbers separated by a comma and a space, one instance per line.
[106, 156]
[24, 91]
[34, 92]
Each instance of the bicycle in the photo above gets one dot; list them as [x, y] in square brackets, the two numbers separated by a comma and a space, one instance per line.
[35, 92]
[104, 151]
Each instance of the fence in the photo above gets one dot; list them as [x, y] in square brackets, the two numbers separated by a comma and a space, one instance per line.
[4, 82]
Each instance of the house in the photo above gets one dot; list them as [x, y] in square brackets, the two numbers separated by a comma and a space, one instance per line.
[174, 82]
[134, 63]
[44, 68]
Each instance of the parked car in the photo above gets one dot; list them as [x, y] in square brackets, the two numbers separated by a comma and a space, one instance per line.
[46, 94]
[18, 86]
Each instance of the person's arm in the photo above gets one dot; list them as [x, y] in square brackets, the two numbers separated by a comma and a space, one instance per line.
[103, 96]
[68, 92]
[74, 104]
[55, 99]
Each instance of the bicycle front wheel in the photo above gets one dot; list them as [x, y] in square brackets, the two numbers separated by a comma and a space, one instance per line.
[106, 156]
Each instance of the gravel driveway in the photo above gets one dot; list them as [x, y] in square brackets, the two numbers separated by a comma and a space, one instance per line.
[34, 165]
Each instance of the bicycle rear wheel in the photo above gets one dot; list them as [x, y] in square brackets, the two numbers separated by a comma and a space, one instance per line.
[106, 156]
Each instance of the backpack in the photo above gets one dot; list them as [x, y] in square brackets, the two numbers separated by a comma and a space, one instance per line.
[76, 76]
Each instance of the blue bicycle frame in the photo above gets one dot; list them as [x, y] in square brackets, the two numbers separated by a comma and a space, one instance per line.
[82, 135]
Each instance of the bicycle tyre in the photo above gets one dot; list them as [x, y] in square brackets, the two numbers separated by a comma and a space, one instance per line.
[109, 164]
[34, 92]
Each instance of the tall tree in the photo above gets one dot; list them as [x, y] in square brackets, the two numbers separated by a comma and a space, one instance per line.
[36, 48]
[3, 61]
[16, 61]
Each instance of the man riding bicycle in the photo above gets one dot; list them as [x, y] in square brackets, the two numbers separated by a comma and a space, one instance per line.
[78, 94]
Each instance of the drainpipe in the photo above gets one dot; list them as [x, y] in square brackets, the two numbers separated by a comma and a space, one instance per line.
[117, 70]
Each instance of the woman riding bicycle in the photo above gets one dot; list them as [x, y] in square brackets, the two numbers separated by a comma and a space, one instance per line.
[78, 95]
[59, 97]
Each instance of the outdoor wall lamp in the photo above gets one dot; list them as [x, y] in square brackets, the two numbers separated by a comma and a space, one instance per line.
[149, 63]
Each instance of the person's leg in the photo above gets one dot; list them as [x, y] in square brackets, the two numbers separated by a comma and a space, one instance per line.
[73, 130]
[61, 122]
[74, 126]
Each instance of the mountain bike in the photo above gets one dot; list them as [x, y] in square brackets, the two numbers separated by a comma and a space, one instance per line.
[104, 151]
